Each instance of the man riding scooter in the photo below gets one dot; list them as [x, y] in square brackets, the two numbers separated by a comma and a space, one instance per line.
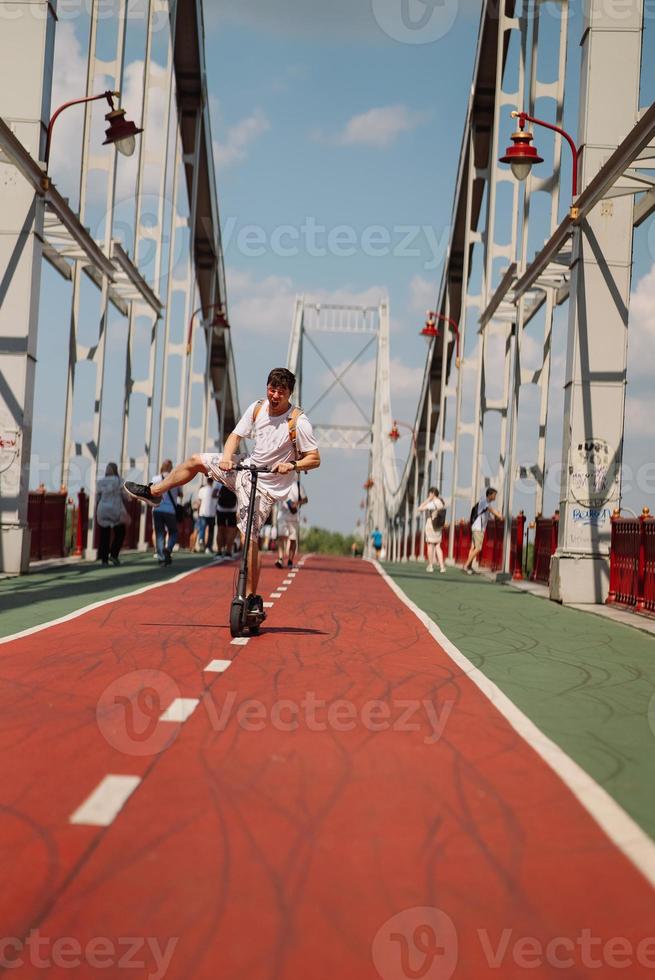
[284, 444]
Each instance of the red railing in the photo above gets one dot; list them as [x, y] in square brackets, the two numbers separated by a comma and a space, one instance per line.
[46, 517]
[516, 546]
[632, 562]
[545, 545]
[462, 542]
[491, 556]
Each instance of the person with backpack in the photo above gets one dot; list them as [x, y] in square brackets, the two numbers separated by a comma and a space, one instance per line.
[435, 509]
[226, 521]
[284, 443]
[165, 517]
[479, 519]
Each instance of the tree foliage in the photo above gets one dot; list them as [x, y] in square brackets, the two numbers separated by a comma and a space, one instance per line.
[323, 542]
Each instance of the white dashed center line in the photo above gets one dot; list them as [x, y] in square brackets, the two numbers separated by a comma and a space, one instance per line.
[239, 641]
[106, 801]
[218, 666]
[180, 709]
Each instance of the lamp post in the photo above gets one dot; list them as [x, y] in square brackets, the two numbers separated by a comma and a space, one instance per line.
[220, 320]
[431, 331]
[121, 132]
[394, 435]
[521, 156]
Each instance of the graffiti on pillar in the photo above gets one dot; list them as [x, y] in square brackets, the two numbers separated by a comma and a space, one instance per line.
[594, 474]
[9, 447]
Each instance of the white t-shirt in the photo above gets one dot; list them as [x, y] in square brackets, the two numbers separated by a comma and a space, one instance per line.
[208, 497]
[284, 515]
[273, 445]
[481, 521]
[435, 504]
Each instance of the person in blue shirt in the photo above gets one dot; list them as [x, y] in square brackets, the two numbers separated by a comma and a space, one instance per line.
[376, 538]
[164, 519]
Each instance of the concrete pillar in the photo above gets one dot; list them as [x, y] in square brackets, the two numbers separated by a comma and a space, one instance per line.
[598, 312]
[26, 57]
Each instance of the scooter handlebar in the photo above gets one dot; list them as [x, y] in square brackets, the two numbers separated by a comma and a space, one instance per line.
[251, 469]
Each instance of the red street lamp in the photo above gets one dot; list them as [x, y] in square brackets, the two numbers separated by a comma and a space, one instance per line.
[394, 435]
[521, 156]
[431, 331]
[121, 132]
[369, 484]
[219, 320]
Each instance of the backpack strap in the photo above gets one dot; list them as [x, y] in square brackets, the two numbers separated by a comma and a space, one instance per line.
[292, 422]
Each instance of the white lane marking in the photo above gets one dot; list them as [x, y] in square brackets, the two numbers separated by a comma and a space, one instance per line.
[218, 666]
[98, 605]
[268, 605]
[180, 709]
[239, 641]
[619, 826]
[276, 595]
[288, 581]
[282, 588]
[106, 801]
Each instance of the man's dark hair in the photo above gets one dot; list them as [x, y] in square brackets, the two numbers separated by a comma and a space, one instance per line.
[434, 490]
[281, 378]
[490, 490]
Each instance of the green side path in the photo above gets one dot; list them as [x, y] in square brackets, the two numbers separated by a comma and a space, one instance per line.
[586, 682]
[29, 600]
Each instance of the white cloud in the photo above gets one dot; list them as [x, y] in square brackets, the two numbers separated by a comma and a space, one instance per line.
[422, 295]
[641, 329]
[379, 127]
[239, 138]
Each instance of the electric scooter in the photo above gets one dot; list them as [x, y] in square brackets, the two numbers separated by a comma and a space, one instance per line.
[242, 617]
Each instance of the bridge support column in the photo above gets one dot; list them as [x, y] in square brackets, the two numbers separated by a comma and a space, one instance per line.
[598, 314]
[26, 56]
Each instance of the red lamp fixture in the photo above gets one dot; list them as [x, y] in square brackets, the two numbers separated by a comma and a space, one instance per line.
[521, 156]
[369, 484]
[394, 435]
[431, 331]
[121, 132]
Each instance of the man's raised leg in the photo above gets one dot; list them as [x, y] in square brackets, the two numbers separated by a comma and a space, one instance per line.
[179, 476]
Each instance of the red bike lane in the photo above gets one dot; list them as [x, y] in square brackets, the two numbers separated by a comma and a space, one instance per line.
[344, 801]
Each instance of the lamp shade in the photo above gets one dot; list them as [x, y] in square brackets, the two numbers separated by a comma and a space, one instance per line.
[121, 132]
[521, 156]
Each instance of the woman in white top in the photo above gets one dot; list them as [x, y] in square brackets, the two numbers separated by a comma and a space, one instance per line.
[110, 514]
[436, 513]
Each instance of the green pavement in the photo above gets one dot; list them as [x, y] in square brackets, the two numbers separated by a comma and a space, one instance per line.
[30, 600]
[586, 682]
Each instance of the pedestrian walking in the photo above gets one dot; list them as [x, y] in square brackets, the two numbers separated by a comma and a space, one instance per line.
[226, 521]
[434, 508]
[165, 517]
[288, 525]
[479, 519]
[284, 444]
[376, 538]
[208, 501]
[111, 515]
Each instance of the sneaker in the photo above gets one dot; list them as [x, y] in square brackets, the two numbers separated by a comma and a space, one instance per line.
[256, 604]
[114, 561]
[278, 564]
[469, 571]
[141, 491]
[442, 571]
[167, 557]
[289, 563]
[429, 568]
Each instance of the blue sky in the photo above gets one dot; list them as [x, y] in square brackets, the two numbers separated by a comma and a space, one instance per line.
[328, 119]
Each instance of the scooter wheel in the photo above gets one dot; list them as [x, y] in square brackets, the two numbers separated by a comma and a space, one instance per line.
[254, 629]
[236, 618]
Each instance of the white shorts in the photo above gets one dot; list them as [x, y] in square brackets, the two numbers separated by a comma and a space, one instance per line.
[287, 528]
[238, 481]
